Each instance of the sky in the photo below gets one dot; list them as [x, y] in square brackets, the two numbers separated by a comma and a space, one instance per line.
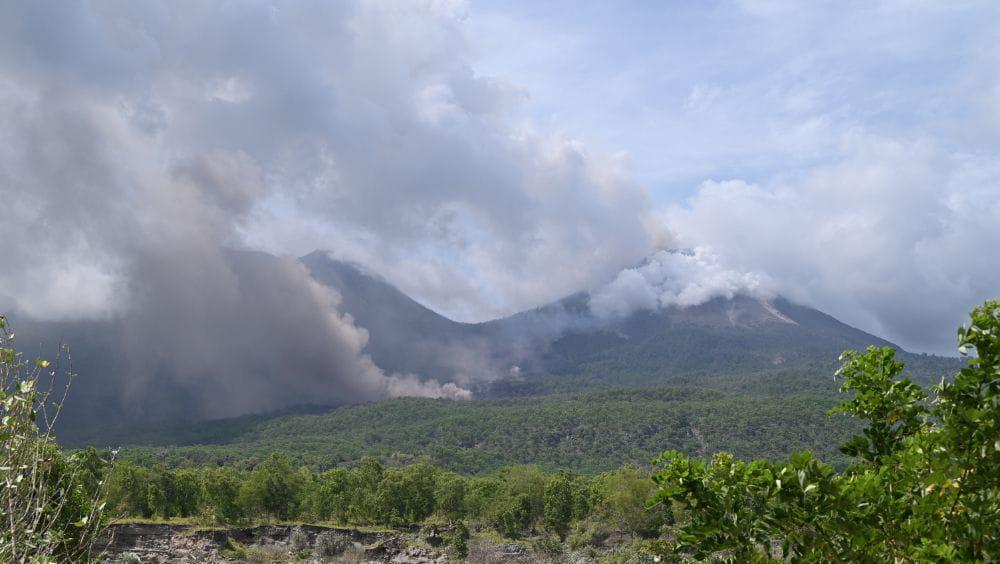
[846, 150]
[489, 157]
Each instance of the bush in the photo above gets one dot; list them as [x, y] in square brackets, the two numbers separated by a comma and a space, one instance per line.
[586, 533]
[923, 486]
[548, 546]
[50, 509]
[460, 540]
[258, 554]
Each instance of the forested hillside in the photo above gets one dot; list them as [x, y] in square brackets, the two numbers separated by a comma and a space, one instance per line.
[769, 416]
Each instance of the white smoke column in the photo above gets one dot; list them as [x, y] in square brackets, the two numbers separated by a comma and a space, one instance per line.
[680, 278]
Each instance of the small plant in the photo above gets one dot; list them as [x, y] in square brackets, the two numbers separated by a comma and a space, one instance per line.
[258, 554]
[588, 533]
[128, 558]
[548, 546]
[233, 550]
[330, 544]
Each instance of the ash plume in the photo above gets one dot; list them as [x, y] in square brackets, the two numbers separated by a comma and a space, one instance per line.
[149, 150]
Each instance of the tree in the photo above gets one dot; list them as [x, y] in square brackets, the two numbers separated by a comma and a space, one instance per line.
[330, 495]
[621, 501]
[449, 495]
[128, 488]
[365, 479]
[187, 492]
[406, 495]
[513, 516]
[519, 504]
[272, 489]
[162, 493]
[558, 503]
[220, 488]
[924, 486]
[528, 481]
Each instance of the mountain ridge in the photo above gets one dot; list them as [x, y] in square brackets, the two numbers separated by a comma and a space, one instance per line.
[555, 348]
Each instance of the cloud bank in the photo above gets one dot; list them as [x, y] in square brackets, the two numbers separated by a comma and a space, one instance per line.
[895, 237]
[847, 149]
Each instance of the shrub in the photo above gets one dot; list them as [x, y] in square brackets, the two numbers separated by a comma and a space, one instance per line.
[47, 510]
[923, 486]
[586, 533]
[258, 554]
[548, 546]
[460, 540]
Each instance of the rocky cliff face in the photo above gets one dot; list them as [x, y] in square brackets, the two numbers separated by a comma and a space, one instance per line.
[141, 543]
[173, 544]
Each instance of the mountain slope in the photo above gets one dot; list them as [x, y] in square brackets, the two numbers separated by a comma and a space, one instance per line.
[565, 338]
[588, 432]
[557, 348]
[563, 347]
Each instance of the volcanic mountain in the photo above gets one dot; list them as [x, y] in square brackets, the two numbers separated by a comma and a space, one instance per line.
[559, 347]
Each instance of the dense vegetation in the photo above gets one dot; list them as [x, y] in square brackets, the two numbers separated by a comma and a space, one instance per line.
[515, 501]
[49, 501]
[924, 486]
[770, 416]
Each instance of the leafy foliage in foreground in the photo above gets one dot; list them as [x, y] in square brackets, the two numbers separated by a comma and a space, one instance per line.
[50, 509]
[925, 484]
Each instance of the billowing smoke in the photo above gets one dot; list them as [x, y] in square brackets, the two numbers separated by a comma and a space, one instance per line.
[237, 331]
[249, 332]
[149, 149]
[680, 278]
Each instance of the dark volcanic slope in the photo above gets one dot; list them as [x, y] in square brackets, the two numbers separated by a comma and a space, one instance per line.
[406, 337]
[742, 333]
[561, 344]
[554, 348]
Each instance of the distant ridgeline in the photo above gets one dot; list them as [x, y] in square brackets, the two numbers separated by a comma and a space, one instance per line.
[742, 374]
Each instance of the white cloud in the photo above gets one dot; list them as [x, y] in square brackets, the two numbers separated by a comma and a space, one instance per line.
[895, 237]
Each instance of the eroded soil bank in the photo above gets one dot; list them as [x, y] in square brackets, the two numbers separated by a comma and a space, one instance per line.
[133, 543]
